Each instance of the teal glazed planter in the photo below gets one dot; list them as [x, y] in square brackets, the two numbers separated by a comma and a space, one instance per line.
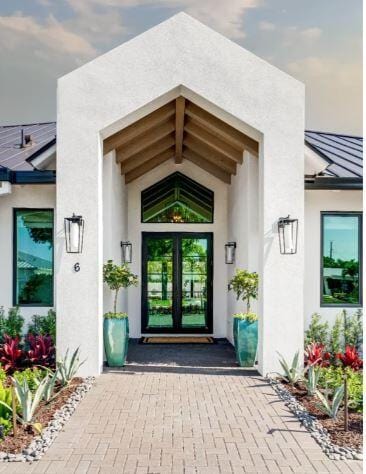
[245, 341]
[115, 334]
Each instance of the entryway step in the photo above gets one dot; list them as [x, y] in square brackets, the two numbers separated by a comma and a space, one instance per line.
[177, 340]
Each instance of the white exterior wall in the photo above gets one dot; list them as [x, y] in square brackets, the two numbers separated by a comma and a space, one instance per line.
[179, 57]
[243, 222]
[26, 196]
[317, 201]
[219, 229]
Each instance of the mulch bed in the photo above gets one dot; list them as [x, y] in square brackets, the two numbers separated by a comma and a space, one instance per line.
[349, 439]
[43, 415]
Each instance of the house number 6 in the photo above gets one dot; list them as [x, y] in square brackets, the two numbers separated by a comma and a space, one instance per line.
[77, 267]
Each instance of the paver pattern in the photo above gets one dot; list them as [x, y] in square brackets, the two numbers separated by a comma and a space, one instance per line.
[183, 409]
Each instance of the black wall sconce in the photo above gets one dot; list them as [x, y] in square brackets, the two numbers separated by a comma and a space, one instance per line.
[230, 252]
[126, 252]
[74, 233]
[287, 234]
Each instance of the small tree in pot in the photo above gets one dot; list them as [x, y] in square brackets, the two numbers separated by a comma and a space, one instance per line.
[245, 327]
[115, 327]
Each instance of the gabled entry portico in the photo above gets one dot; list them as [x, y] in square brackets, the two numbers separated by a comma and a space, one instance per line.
[202, 91]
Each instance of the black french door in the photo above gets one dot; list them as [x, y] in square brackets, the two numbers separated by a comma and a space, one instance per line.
[177, 271]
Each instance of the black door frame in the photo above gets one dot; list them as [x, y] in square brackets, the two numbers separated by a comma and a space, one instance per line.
[177, 283]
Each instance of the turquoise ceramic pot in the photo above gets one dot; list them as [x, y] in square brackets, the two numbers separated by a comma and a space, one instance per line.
[246, 341]
[115, 333]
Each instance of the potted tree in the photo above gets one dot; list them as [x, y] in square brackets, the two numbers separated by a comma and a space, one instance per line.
[115, 326]
[245, 325]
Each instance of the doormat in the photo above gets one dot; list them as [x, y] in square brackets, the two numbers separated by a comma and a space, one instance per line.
[177, 340]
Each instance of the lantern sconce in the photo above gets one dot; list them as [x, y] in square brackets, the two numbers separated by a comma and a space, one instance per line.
[126, 252]
[287, 234]
[74, 233]
[230, 252]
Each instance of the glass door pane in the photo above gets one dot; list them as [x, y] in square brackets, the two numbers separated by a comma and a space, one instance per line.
[194, 257]
[159, 283]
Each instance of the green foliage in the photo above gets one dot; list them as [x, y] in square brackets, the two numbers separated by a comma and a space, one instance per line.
[331, 408]
[250, 317]
[336, 343]
[49, 390]
[2, 375]
[12, 324]
[245, 285]
[117, 277]
[115, 315]
[5, 402]
[292, 373]
[28, 400]
[6, 424]
[44, 325]
[332, 377]
[353, 329]
[32, 376]
[312, 379]
[67, 367]
[317, 331]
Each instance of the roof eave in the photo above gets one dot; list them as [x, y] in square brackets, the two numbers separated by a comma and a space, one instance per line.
[346, 184]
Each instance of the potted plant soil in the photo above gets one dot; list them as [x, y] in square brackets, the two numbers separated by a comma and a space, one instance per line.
[245, 325]
[115, 326]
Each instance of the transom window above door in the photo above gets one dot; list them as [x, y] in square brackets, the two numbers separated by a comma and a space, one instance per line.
[177, 199]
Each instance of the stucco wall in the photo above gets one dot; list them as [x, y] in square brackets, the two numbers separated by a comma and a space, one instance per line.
[29, 196]
[219, 229]
[315, 202]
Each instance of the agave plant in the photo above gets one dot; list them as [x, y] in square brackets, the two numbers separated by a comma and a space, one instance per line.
[48, 393]
[331, 408]
[311, 382]
[293, 373]
[67, 368]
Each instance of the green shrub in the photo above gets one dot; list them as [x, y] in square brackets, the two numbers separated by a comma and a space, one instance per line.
[332, 377]
[336, 336]
[5, 412]
[32, 377]
[317, 331]
[6, 425]
[44, 325]
[12, 324]
[353, 329]
[2, 375]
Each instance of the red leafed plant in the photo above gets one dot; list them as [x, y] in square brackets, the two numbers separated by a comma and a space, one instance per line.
[350, 358]
[315, 354]
[11, 355]
[42, 350]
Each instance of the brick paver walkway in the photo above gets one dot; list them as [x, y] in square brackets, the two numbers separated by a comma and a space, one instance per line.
[156, 416]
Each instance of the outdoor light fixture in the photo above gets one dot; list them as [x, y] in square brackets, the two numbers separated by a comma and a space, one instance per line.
[287, 233]
[126, 252]
[74, 233]
[230, 252]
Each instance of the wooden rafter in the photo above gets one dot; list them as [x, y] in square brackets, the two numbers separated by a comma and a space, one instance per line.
[222, 129]
[149, 165]
[147, 139]
[138, 128]
[213, 141]
[206, 165]
[210, 154]
[179, 128]
[146, 154]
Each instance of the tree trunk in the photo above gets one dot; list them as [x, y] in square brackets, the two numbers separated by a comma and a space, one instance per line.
[115, 302]
[345, 404]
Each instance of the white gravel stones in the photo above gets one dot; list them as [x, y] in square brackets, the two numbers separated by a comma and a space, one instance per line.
[317, 431]
[41, 443]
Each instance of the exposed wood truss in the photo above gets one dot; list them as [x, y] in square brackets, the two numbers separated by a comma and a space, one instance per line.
[180, 130]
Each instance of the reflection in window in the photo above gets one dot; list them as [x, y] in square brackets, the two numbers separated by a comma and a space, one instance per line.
[341, 259]
[34, 257]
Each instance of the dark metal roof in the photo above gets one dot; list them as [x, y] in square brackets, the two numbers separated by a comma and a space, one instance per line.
[342, 152]
[17, 158]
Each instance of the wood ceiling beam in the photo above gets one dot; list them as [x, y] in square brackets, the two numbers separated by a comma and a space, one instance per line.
[210, 154]
[139, 158]
[213, 141]
[228, 133]
[141, 126]
[206, 165]
[179, 128]
[146, 140]
[149, 165]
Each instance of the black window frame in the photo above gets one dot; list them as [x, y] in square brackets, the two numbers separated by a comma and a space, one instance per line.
[358, 214]
[15, 247]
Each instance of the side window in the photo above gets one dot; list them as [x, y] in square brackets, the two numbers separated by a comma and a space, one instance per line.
[33, 257]
[341, 259]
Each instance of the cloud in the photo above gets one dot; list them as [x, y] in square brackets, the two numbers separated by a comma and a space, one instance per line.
[266, 26]
[311, 33]
[333, 92]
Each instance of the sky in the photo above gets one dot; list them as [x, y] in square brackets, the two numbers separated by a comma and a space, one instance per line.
[317, 41]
